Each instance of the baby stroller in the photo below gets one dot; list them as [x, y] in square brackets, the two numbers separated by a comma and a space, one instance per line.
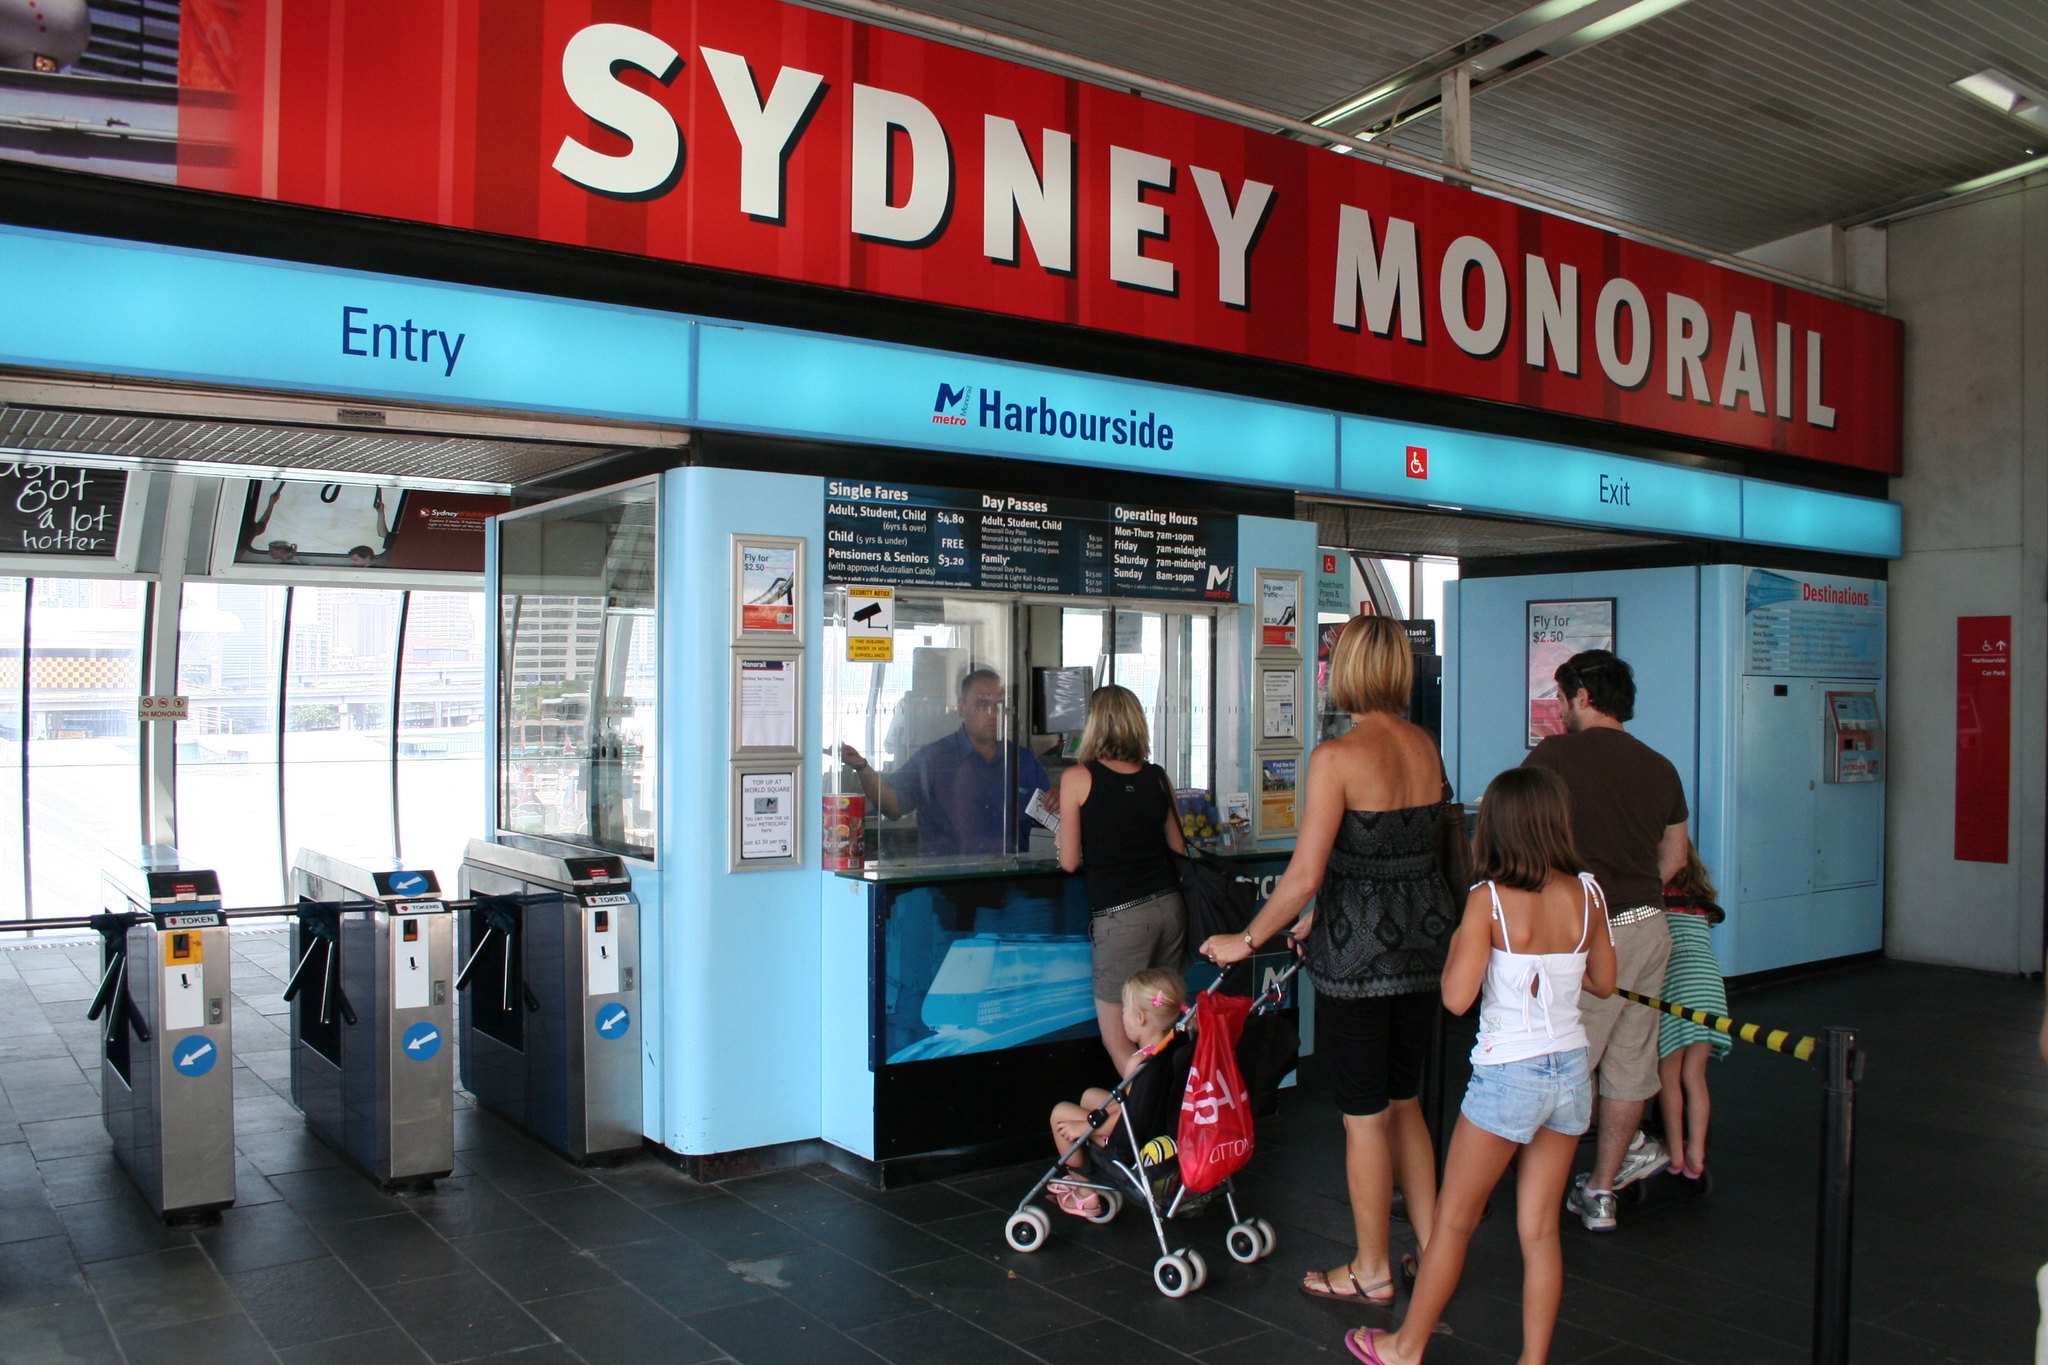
[1146, 1169]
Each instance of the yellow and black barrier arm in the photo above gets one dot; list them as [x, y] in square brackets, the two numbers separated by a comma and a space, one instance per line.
[1777, 1039]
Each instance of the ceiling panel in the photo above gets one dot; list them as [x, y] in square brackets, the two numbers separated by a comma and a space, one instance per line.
[1730, 123]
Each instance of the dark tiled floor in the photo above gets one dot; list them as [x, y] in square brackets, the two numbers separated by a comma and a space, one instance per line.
[521, 1257]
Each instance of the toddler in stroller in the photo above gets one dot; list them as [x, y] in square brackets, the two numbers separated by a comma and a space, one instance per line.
[1122, 1144]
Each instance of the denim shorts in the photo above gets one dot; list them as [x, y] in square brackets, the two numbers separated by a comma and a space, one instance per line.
[1514, 1099]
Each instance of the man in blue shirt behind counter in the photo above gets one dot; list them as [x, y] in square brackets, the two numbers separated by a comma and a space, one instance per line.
[970, 788]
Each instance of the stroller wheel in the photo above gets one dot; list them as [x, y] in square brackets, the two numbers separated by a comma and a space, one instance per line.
[1244, 1243]
[1112, 1205]
[1200, 1266]
[1027, 1228]
[1174, 1276]
[1267, 1236]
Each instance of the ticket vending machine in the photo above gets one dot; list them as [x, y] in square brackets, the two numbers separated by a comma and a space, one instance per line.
[550, 994]
[167, 1092]
[372, 1015]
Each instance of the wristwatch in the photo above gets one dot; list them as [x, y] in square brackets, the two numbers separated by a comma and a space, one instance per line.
[1248, 941]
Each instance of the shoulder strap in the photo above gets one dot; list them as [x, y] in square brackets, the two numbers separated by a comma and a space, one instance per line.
[1591, 895]
[1499, 918]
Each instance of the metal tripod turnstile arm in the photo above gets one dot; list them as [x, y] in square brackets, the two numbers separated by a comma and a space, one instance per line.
[332, 997]
[113, 992]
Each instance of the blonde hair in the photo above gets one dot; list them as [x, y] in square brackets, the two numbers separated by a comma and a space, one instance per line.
[1116, 727]
[1372, 666]
[1141, 989]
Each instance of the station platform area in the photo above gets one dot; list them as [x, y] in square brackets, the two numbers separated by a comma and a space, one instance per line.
[520, 1256]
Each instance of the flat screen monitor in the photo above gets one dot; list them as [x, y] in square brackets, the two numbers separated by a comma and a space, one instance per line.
[1059, 698]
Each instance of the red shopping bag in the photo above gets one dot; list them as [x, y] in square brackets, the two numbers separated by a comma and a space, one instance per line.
[1216, 1112]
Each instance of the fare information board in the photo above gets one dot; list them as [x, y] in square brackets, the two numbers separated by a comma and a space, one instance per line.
[905, 534]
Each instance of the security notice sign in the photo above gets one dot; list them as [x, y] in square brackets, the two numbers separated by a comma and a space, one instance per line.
[870, 625]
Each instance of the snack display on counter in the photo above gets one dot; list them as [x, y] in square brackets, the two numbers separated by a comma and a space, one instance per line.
[1200, 824]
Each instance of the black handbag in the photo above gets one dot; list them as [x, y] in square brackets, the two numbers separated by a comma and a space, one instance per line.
[1218, 900]
[1453, 847]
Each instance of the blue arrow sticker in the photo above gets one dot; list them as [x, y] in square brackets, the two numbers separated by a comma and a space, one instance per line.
[613, 1021]
[405, 883]
[195, 1056]
[422, 1041]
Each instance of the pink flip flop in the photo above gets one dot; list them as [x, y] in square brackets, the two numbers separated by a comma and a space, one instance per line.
[1364, 1349]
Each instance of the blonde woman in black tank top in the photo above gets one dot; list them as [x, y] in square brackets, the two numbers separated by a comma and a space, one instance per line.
[1117, 824]
[1375, 942]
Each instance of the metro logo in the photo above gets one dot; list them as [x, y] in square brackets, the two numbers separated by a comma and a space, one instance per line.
[950, 407]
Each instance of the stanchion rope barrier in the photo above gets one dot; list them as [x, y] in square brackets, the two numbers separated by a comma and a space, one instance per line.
[1777, 1039]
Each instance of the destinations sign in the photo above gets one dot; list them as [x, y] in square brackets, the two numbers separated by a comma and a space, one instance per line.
[947, 537]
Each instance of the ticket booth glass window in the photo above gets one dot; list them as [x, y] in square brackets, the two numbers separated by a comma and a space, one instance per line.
[953, 770]
[577, 706]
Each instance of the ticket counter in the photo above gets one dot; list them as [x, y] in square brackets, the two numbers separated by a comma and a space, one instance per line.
[980, 1007]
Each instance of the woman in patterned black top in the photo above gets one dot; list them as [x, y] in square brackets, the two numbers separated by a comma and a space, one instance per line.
[1376, 938]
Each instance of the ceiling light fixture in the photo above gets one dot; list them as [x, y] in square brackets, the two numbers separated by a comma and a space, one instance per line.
[2008, 94]
[1543, 33]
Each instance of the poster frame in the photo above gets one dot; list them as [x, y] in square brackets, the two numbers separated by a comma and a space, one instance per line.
[1295, 579]
[737, 861]
[227, 529]
[798, 631]
[792, 658]
[1530, 739]
[127, 545]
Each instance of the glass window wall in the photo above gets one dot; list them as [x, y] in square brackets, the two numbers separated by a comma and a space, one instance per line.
[230, 661]
[577, 612]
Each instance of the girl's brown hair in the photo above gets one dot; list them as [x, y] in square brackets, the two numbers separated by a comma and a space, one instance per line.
[1372, 666]
[1524, 830]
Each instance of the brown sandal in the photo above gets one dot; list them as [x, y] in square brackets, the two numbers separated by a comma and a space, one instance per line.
[1356, 1294]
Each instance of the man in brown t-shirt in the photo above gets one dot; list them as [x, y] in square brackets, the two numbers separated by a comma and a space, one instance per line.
[1628, 820]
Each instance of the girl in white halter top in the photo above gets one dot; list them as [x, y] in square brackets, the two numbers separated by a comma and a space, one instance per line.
[1534, 935]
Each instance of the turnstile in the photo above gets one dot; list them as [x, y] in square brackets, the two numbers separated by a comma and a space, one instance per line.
[372, 1059]
[167, 1087]
[550, 994]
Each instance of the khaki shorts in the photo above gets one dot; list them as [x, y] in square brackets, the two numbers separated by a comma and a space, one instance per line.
[1621, 1036]
[1147, 933]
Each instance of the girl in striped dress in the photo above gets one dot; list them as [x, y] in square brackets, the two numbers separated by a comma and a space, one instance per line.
[1692, 979]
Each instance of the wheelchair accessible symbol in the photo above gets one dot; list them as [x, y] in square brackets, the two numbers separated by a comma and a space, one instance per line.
[194, 1056]
[613, 1021]
[422, 1041]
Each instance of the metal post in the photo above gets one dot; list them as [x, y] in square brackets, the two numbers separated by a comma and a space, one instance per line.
[1842, 1068]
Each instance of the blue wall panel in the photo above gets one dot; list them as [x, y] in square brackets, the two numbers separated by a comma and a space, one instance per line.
[741, 952]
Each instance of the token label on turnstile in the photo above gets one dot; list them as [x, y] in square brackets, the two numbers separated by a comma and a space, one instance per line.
[184, 981]
[410, 968]
[600, 952]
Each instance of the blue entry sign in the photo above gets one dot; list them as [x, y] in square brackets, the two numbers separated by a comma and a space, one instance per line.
[613, 1021]
[407, 883]
[195, 1056]
[422, 1041]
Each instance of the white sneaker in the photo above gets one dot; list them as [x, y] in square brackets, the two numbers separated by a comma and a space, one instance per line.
[1645, 1157]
